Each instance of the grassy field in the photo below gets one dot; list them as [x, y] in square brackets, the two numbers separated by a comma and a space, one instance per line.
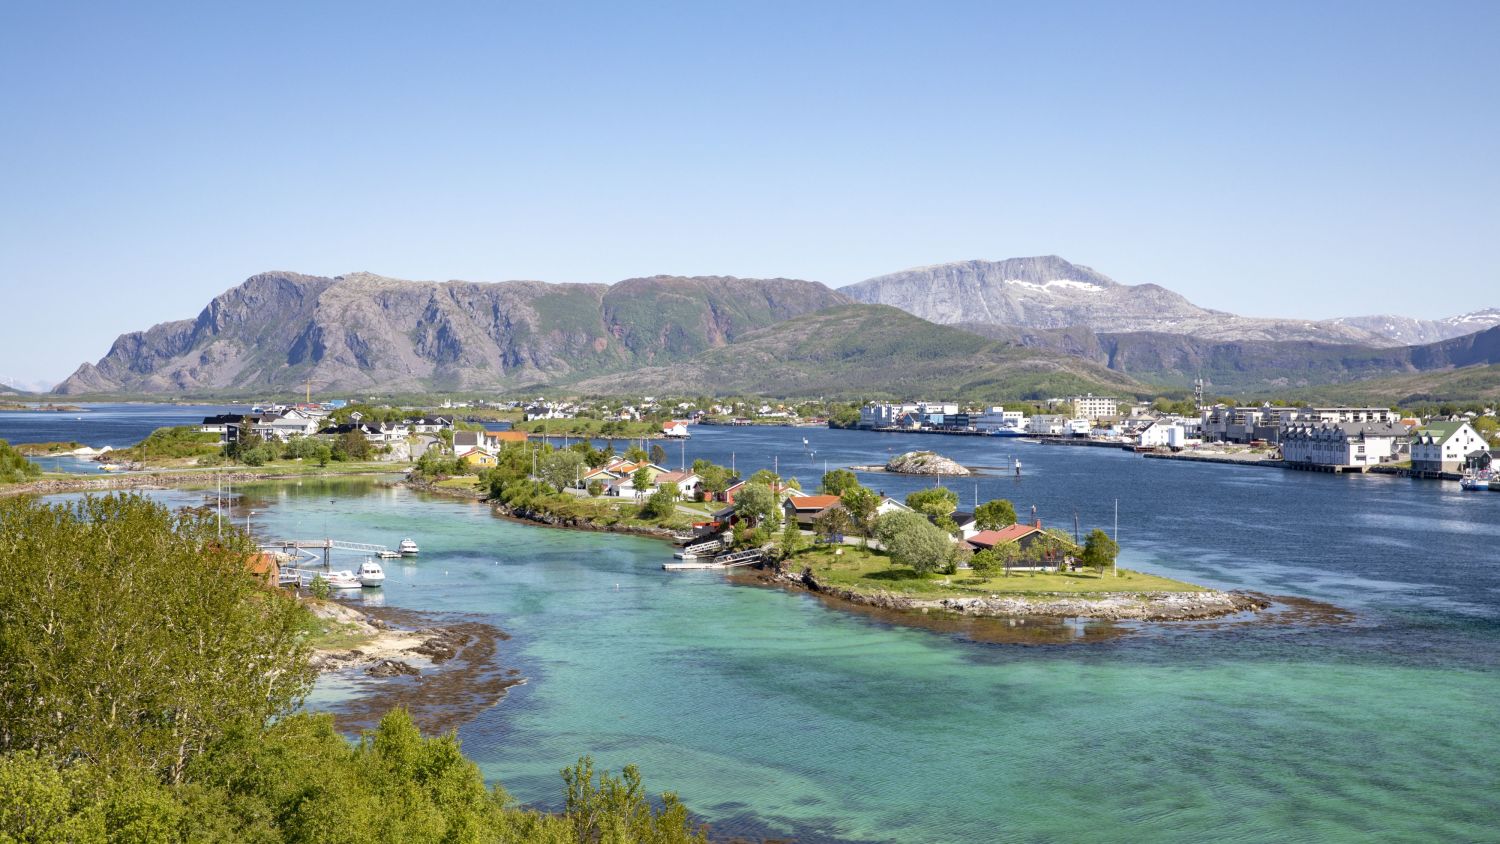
[871, 571]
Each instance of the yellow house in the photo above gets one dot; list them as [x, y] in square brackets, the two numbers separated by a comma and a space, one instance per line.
[478, 458]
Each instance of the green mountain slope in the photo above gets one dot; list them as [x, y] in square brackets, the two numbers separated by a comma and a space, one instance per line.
[867, 351]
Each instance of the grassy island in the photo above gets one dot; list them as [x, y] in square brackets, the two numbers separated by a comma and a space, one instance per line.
[869, 571]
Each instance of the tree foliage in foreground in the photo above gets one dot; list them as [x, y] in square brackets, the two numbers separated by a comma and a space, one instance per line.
[132, 638]
[146, 687]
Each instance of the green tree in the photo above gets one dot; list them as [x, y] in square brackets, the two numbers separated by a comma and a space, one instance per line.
[839, 481]
[659, 505]
[641, 480]
[755, 503]
[766, 477]
[1099, 550]
[792, 539]
[14, 467]
[833, 522]
[934, 501]
[113, 649]
[352, 446]
[1488, 427]
[993, 515]
[561, 468]
[911, 540]
[863, 505]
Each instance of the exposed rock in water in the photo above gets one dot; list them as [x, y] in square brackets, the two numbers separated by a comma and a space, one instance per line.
[391, 668]
[924, 463]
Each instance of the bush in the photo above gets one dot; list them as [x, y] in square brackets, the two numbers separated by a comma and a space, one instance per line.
[14, 467]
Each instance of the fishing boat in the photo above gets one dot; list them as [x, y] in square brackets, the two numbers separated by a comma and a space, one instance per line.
[408, 548]
[371, 574]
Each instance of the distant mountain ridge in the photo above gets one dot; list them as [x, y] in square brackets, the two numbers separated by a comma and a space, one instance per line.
[1254, 366]
[1047, 292]
[363, 331]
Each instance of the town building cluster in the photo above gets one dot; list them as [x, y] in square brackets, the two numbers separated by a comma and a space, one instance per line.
[1340, 438]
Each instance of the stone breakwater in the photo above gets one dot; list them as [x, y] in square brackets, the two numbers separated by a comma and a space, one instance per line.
[1103, 606]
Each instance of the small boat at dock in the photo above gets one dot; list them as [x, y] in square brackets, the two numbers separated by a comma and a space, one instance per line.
[342, 580]
[371, 574]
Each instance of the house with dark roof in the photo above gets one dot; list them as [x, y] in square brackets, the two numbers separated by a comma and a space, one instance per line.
[1345, 445]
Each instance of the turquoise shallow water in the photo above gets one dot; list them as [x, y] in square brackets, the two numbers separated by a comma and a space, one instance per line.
[771, 714]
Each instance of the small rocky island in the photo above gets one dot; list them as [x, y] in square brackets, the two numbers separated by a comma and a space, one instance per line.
[924, 463]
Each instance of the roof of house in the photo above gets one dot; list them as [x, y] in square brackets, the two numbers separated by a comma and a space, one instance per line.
[1009, 533]
[1439, 432]
[813, 502]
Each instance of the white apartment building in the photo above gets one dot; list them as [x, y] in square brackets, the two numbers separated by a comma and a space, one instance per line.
[1342, 444]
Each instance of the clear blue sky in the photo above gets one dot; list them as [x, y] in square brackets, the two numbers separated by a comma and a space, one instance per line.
[1301, 159]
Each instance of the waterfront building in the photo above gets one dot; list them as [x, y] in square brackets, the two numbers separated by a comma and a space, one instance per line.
[1342, 444]
[999, 419]
[1169, 432]
[1445, 446]
[1049, 424]
[1089, 406]
[922, 414]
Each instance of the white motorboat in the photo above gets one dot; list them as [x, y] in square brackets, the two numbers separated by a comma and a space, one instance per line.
[371, 574]
[342, 580]
[388, 555]
[408, 548]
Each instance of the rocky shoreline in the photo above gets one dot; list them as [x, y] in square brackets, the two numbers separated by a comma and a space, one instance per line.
[444, 674]
[1105, 606]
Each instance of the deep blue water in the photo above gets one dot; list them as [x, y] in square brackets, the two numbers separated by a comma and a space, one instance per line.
[100, 425]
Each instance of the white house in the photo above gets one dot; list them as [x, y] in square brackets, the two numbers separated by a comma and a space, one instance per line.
[1044, 423]
[999, 419]
[1169, 431]
[1344, 444]
[688, 483]
[1444, 446]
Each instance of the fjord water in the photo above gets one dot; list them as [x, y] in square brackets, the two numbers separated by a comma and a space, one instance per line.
[772, 714]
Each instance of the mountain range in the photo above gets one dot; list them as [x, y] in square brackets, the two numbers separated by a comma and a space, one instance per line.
[1049, 292]
[1024, 327]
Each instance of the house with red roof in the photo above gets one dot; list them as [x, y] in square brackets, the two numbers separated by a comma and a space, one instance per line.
[804, 509]
[1023, 536]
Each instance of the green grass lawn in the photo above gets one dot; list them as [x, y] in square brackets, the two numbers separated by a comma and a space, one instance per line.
[871, 571]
